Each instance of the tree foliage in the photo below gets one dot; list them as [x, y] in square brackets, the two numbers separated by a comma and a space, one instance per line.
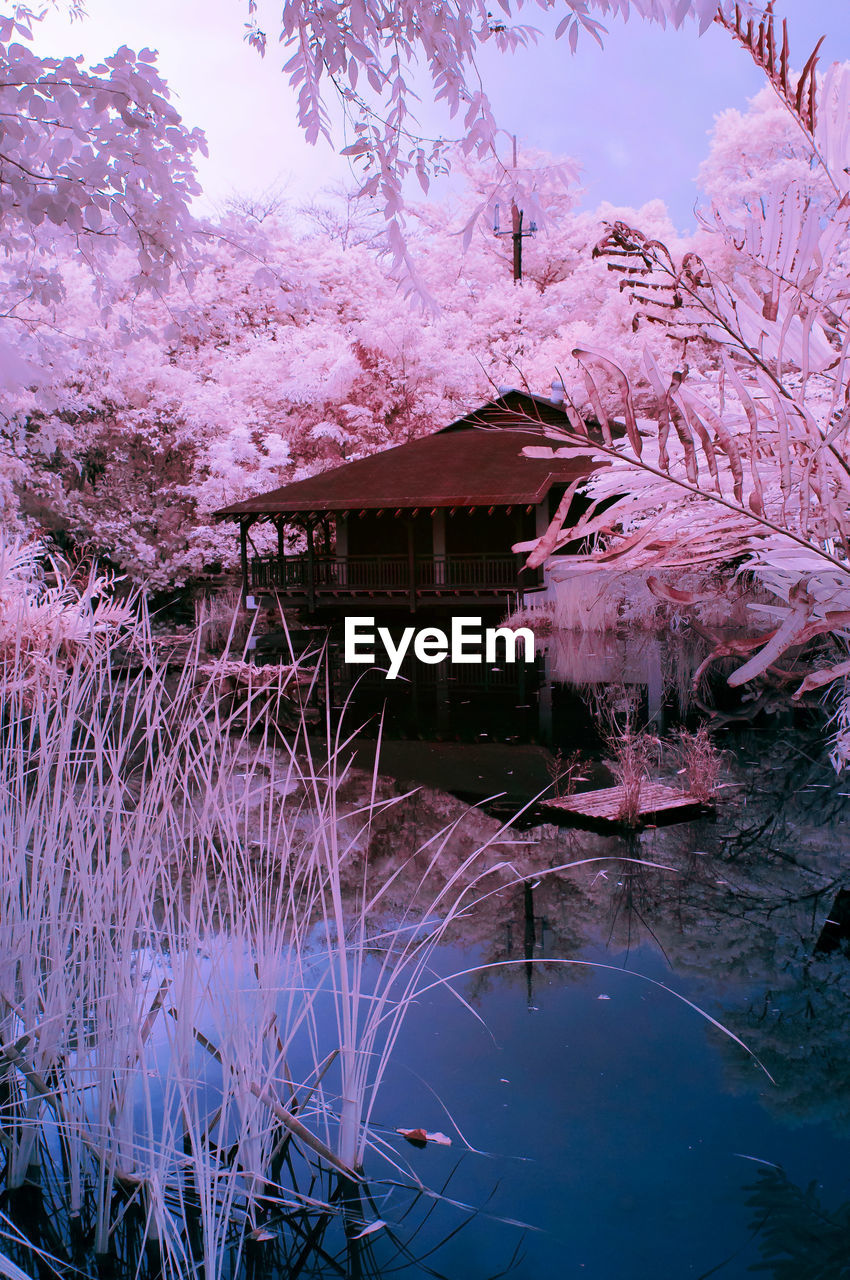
[724, 356]
[364, 55]
[293, 351]
[90, 160]
[748, 460]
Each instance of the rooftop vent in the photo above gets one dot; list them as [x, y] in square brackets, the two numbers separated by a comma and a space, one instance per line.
[557, 396]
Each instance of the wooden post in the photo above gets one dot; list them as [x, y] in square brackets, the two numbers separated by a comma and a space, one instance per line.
[311, 571]
[543, 513]
[342, 550]
[516, 227]
[438, 524]
[411, 566]
[655, 686]
[280, 556]
[243, 558]
[516, 233]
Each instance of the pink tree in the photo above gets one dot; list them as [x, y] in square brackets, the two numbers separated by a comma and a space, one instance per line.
[291, 352]
[91, 160]
[748, 462]
[364, 56]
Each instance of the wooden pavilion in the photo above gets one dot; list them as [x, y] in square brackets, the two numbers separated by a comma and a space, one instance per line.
[424, 523]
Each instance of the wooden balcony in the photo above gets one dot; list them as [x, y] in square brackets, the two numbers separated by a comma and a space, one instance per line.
[404, 579]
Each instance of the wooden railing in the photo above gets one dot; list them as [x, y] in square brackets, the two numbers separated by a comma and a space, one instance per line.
[384, 575]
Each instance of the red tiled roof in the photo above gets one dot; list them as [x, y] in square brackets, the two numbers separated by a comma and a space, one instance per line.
[468, 464]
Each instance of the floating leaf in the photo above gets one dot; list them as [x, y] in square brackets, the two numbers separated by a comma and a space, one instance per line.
[421, 1137]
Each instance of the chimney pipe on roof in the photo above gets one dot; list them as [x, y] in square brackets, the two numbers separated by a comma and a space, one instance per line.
[557, 396]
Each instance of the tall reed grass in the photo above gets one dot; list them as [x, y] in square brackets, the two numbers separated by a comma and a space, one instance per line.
[200, 984]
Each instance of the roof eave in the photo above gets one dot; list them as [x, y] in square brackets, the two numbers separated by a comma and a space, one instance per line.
[255, 506]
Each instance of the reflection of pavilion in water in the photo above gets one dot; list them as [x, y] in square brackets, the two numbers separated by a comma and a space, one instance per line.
[520, 702]
[656, 669]
[736, 908]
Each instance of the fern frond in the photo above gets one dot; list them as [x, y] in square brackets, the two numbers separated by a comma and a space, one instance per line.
[760, 42]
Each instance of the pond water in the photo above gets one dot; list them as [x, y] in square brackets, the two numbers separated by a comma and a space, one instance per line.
[633, 1136]
[622, 1128]
[636, 1044]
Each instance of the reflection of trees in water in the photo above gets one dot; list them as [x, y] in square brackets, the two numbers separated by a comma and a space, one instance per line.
[798, 1237]
[739, 914]
[540, 917]
[744, 917]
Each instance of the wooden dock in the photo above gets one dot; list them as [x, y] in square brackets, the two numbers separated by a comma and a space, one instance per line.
[657, 801]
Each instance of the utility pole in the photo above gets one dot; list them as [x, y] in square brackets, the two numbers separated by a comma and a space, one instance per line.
[516, 232]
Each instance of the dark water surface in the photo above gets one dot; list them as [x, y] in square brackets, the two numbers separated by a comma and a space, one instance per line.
[620, 1125]
[635, 1138]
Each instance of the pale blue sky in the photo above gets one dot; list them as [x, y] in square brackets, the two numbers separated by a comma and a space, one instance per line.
[635, 115]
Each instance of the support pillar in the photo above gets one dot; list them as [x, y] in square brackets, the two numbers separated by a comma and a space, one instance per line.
[542, 520]
[243, 558]
[311, 571]
[341, 550]
[438, 525]
[411, 566]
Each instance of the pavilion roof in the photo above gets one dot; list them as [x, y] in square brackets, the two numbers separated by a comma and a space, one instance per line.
[474, 462]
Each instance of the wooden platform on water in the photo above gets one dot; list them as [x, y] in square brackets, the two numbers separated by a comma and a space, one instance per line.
[658, 802]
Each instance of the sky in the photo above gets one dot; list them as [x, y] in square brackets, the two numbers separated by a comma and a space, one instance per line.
[636, 114]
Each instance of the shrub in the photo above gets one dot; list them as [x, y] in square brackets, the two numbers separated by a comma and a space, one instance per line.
[702, 762]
